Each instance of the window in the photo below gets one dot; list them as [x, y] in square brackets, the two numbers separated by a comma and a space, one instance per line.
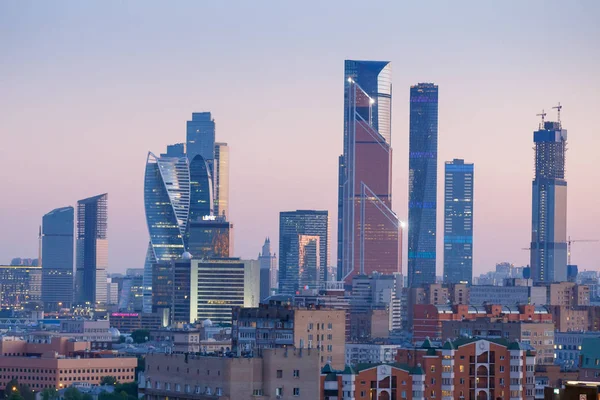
[279, 373]
[279, 391]
[296, 373]
[502, 368]
[461, 368]
[296, 391]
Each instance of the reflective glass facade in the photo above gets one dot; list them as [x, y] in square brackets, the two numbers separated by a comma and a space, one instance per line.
[221, 179]
[201, 192]
[201, 137]
[210, 239]
[20, 284]
[92, 249]
[293, 225]
[309, 266]
[58, 228]
[549, 205]
[458, 222]
[422, 184]
[368, 230]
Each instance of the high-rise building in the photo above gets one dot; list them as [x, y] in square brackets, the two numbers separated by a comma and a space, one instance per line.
[57, 249]
[92, 249]
[175, 150]
[293, 225]
[20, 285]
[368, 230]
[458, 222]
[211, 237]
[201, 137]
[549, 204]
[221, 179]
[269, 269]
[422, 184]
[201, 189]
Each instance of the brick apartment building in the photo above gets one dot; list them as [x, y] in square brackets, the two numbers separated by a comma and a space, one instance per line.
[275, 326]
[277, 374]
[460, 369]
[59, 362]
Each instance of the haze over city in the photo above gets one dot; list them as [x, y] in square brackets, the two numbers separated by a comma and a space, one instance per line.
[87, 89]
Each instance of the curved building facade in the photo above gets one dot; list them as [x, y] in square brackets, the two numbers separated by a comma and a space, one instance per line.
[201, 191]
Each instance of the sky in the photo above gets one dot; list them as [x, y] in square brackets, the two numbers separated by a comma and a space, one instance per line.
[88, 88]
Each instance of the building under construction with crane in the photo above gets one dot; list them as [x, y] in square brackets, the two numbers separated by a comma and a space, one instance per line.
[549, 203]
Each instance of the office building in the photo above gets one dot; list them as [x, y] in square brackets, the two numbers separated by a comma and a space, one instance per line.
[422, 184]
[589, 368]
[370, 353]
[369, 232]
[287, 374]
[92, 250]
[57, 251]
[112, 292]
[269, 271]
[567, 348]
[201, 137]
[175, 150]
[58, 362]
[294, 226]
[549, 204]
[20, 285]
[210, 237]
[458, 222]
[221, 179]
[201, 189]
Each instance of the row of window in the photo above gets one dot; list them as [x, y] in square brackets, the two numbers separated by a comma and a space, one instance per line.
[65, 371]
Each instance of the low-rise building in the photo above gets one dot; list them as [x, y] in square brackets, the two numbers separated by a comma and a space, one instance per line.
[370, 353]
[567, 348]
[568, 294]
[285, 373]
[589, 367]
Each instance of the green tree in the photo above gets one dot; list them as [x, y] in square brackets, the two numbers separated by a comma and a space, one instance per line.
[141, 365]
[11, 386]
[108, 380]
[15, 395]
[73, 394]
[87, 396]
[129, 388]
[140, 335]
[49, 394]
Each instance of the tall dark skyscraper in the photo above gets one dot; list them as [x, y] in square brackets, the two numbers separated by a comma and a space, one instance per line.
[92, 249]
[549, 205]
[221, 179]
[368, 230]
[422, 183]
[458, 222]
[302, 232]
[201, 137]
[57, 252]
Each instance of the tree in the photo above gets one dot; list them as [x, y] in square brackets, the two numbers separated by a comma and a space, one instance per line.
[87, 396]
[141, 365]
[15, 395]
[140, 335]
[108, 380]
[49, 394]
[129, 388]
[72, 394]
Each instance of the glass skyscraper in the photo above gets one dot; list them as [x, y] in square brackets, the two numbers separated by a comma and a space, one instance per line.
[201, 189]
[422, 184]
[201, 137]
[57, 251]
[221, 179]
[549, 205]
[458, 222]
[369, 233]
[92, 250]
[295, 229]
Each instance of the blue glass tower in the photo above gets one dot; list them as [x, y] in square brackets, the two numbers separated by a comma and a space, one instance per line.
[201, 137]
[458, 222]
[422, 184]
[201, 191]
[57, 252]
[549, 205]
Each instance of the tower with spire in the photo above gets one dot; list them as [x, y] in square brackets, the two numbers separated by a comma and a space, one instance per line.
[269, 269]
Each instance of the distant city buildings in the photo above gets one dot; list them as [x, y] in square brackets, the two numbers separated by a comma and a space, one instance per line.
[20, 285]
[458, 222]
[57, 251]
[369, 232]
[303, 249]
[221, 179]
[549, 204]
[92, 250]
[201, 137]
[422, 184]
[269, 271]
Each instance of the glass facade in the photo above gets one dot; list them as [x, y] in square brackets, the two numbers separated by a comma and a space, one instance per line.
[58, 228]
[92, 250]
[293, 225]
[201, 192]
[458, 222]
[210, 238]
[201, 137]
[422, 184]
[221, 179]
[549, 205]
[369, 237]
[309, 266]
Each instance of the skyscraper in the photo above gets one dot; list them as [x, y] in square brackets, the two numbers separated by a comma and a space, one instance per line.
[549, 204]
[368, 230]
[422, 184]
[201, 189]
[293, 225]
[221, 179]
[92, 249]
[458, 222]
[57, 250]
[269, 269]
[201, 137]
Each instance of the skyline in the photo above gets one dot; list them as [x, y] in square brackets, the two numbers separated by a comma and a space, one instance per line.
[55, 99]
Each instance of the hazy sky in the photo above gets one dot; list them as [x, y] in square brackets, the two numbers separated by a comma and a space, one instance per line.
[88, 88]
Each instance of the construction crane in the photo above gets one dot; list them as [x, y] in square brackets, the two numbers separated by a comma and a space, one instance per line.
[569, 242]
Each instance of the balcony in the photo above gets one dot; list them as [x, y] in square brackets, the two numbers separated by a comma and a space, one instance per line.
[448, 375]
[516, 374]
[447, 362]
